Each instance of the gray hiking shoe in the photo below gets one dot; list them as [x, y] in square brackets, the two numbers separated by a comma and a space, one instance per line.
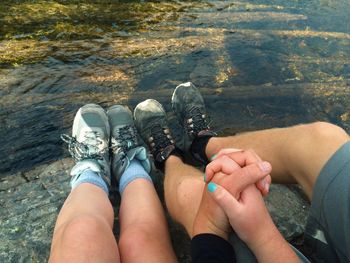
[124, 143]
[89, 142]
[188, 104]
[150, 121]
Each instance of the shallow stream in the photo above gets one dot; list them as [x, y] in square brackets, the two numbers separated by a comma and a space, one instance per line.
[259, 64]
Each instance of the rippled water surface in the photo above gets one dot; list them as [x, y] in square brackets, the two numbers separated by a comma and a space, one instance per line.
[258, 64]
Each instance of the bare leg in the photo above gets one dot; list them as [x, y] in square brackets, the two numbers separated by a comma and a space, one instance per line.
[144, 232]
[183, 187]
[83, 231]
[297, 154]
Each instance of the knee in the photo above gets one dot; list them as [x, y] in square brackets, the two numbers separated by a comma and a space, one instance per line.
[325, 132]
[82, 230]
[134, 240]
[189, 192]
[82, 238]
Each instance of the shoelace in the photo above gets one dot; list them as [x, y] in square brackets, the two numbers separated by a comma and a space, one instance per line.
[196, 121]
[160, 138]
[87, 150]
[126, 138]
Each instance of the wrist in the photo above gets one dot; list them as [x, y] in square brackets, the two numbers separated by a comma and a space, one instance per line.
[272, 247]
[265, 233]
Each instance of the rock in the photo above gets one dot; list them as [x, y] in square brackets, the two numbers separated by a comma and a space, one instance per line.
[289, 209]
[30, 203]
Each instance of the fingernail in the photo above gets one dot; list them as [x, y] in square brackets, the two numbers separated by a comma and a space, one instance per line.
[264, 182]
[267, 187]
[212, 187]
[213, 157]
[205, 177]
[265, 167]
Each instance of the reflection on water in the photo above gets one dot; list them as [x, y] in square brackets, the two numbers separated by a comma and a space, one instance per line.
[259, 64]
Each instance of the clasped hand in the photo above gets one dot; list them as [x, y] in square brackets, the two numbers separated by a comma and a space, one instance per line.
[237, 180]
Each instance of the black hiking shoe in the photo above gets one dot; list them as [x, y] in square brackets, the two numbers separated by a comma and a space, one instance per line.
[188, 104]
[151, 123]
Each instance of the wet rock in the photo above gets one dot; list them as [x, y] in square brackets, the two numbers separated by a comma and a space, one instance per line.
[289, 209]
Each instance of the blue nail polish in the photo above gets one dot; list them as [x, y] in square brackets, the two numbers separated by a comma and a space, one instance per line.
[212, 187]
[213, 157]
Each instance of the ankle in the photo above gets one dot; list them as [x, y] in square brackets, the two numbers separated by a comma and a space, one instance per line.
[173, 159]
[199, 146]
[212, 147]
[175, 155]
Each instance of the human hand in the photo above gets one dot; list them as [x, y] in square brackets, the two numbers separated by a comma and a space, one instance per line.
[252, 222]
[247, 215]
[210, 217]
[242, 158]
[240, 182]
[247, 209]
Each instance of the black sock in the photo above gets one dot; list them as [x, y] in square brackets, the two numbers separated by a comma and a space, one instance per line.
[176, 152]
[198, 147]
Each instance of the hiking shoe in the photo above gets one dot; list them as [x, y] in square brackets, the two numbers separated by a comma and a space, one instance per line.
[124, 142]
[89, 142]
[188, 104]
[151, 122]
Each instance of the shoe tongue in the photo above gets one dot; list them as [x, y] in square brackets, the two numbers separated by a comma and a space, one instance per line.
[129, 143]
[93, 149]
[126, 136]
[94, 144]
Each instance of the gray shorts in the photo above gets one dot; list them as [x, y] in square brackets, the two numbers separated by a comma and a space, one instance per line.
[327, 232]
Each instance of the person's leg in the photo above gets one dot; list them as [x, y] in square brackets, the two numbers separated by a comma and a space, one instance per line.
[151, 122]
[297, 153]
[144, 235]
[83, 230]
[183, 188]
[314, 155]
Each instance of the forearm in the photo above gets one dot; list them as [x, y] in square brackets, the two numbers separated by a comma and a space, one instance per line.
[275, 249]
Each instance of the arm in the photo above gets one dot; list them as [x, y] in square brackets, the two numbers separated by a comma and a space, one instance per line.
[243, 204]
[252, 222]
[210, 217]
[211, 225]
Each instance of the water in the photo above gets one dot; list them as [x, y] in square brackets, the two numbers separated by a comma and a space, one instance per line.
[259, 64]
